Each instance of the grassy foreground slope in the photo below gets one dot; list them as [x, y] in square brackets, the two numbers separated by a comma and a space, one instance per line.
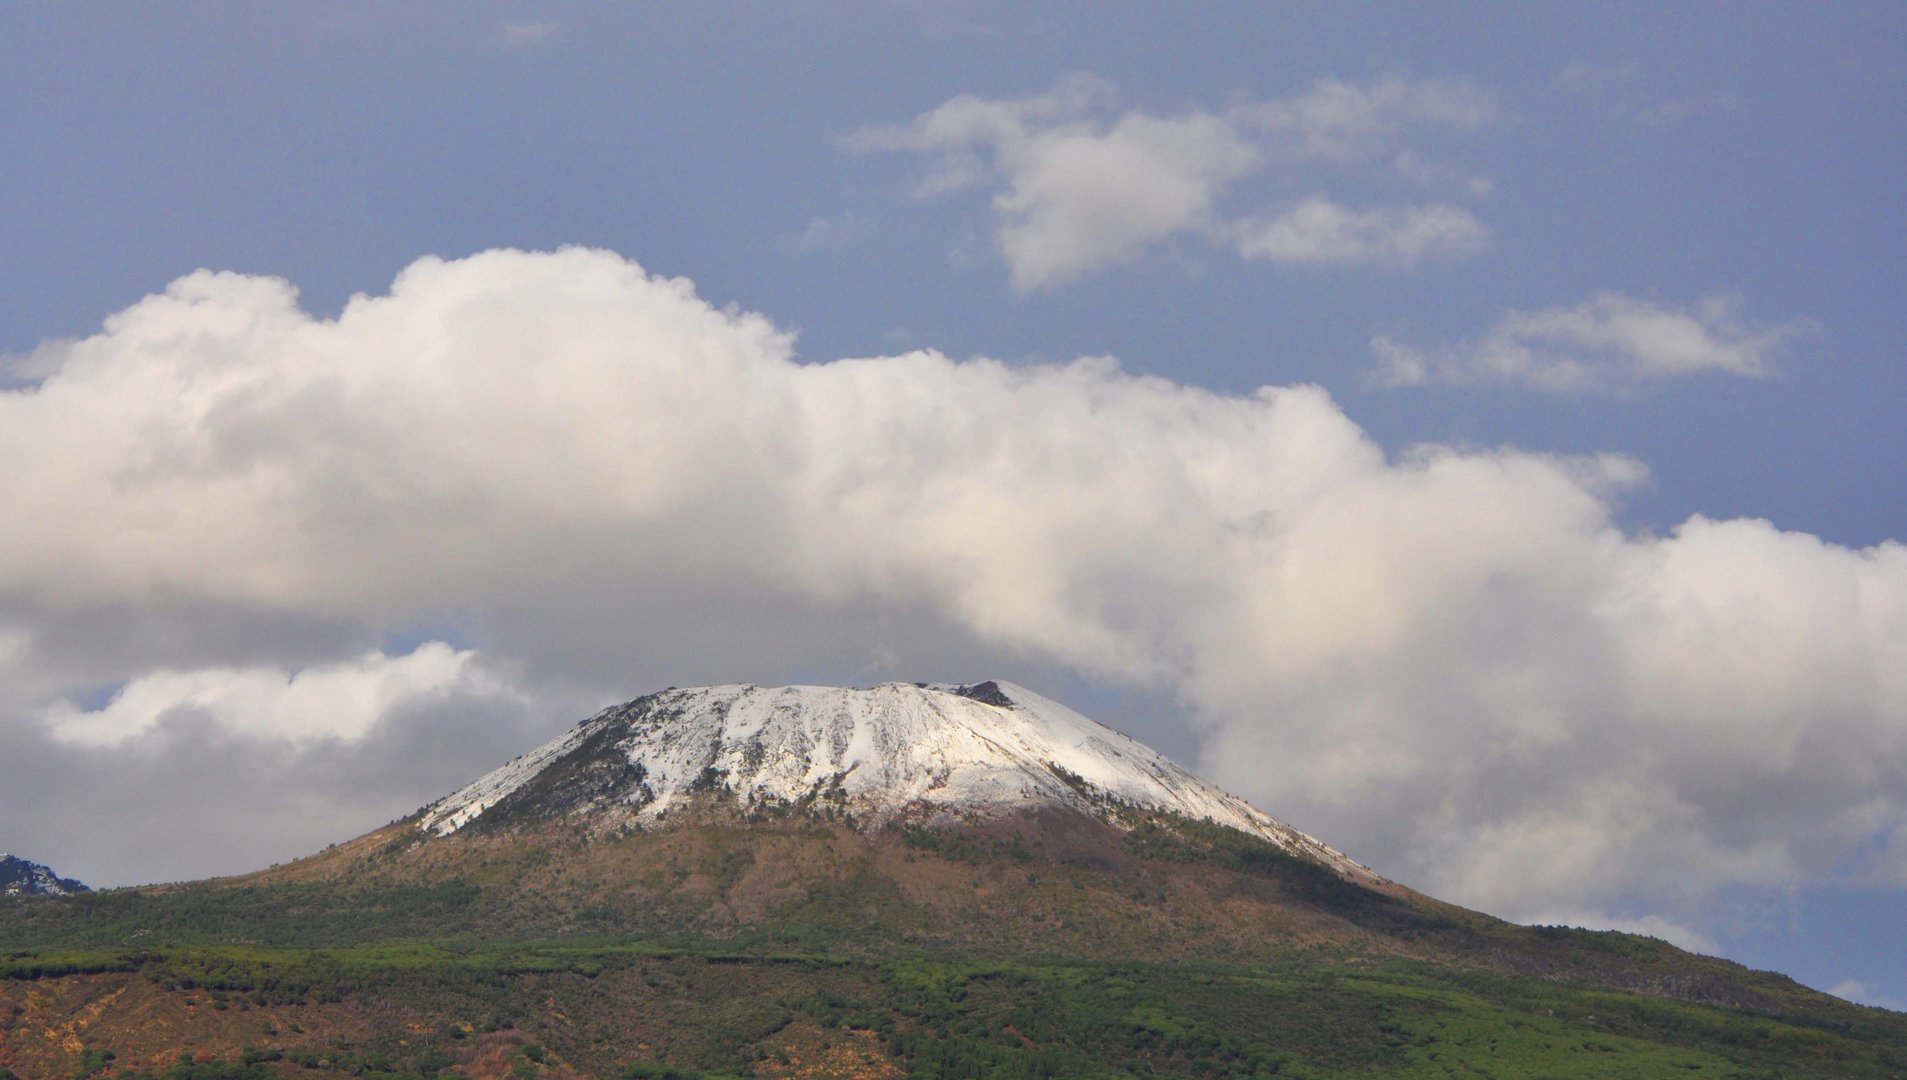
[801, 947]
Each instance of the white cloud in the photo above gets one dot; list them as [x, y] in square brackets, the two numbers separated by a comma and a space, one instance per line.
[25, 369]
[1317, 230]
[1608, 343]
[195, 787]
[1077, 189]
[1081, 199]
[1077, 195]
[1338, 119]
[1429, 172]
[1450, 663]
[338, 701]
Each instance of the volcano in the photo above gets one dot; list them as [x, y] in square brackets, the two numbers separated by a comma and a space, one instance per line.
[910, 879]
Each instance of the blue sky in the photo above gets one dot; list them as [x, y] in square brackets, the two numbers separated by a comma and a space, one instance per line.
[1623, 264]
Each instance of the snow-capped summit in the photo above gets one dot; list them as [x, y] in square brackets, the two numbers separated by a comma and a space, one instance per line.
[895, 752]
[18, 877]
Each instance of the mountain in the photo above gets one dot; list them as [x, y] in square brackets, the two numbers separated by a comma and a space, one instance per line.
[908, 880]
[18, 877]
[896, 753]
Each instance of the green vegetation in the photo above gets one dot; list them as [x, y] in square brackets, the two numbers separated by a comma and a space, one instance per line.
[1171, 949]
[953, 1017]
[287, 914]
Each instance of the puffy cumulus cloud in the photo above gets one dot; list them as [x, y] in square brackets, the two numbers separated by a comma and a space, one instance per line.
[1317, 230]
[1565, 712]
[1078, 189]
[1451, 663]
[1608, 343]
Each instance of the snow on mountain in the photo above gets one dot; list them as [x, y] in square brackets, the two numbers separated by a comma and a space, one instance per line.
[18, 877]
[895, 752]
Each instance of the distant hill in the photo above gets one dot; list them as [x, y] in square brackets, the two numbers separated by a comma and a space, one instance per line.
[18, 877]
[908, 880]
